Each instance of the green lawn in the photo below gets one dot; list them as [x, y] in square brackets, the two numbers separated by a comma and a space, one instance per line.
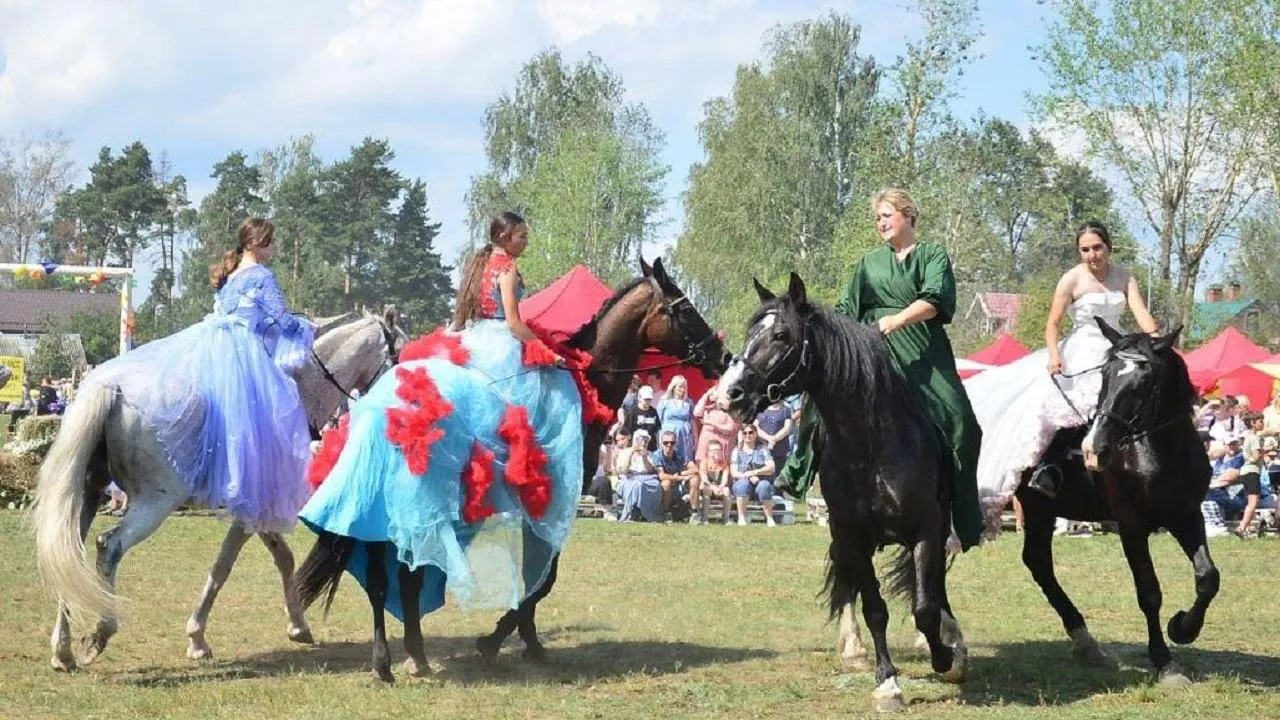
[647, 621]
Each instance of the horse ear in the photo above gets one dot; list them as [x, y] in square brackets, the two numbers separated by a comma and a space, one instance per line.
[645, 268]
[1111, 334]
[796, 290]
[762, 292]
[1164, 342]
[660, 274]
[389, 315]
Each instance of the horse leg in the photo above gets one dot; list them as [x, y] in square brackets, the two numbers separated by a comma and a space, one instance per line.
[197, 647]
[887, 696]
[1037, 556]
[377, 593]
[410, 590]
[1133, 537]
[849, 643]
[146, 511]
[1184, 627]
[299, 631]
[523, 619]
[64, 659]
[930, 570]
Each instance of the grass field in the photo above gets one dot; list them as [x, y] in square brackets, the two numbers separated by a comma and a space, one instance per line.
[646, 622]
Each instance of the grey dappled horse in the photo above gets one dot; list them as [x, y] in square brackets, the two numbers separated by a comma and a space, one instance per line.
[102, 438]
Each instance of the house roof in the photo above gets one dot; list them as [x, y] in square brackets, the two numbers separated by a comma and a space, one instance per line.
[27, 310]
[1001, 305]
[24, 345]
[1209, 317]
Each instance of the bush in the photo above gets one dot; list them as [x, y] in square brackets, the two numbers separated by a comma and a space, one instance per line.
[17, 480]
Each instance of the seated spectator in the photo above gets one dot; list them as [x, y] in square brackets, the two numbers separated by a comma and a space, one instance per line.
[774, 428]
[1227, 460]
[1243, 494]
[751, 467]
[717, 424]
[712, 481]
[1206, 415]
[1271, 417]
[1226, 421]
[639, 487]
[674, 474]
[610, 472]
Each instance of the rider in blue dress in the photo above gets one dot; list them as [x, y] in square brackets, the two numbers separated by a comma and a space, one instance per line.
[219, 396]
[469, 466]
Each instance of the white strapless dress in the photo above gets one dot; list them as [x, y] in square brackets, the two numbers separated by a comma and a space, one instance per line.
[1020, 410]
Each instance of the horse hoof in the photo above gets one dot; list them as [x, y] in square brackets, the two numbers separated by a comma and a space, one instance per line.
[199, 652]
[383, 676]
[1172, 677]
[488, 648]
[90, 649]
[413, 668]
[536, 654]
[959, 671]
[301, 635]
[888, 704]
[65, 664]
[1177, 629]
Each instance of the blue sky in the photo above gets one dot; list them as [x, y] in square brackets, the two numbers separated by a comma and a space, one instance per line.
[200, 80]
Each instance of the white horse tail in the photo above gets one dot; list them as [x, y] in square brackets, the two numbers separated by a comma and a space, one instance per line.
[59, 503]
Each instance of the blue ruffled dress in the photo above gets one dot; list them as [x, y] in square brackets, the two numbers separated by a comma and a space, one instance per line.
[372, 495]
[222, 403]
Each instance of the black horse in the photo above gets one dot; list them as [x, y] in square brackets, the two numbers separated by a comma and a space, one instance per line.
[649, 312]
[1150, 471]
[881, 471]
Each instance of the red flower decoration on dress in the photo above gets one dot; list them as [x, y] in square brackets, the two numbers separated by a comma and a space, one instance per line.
[331, 444]
[499, 262]
[477, 477]
[593, 410]
[526, 463]
[412, 428]
[438, 344]
[535, 353]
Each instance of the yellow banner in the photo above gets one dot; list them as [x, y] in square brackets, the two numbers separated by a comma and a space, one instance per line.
[12, 390]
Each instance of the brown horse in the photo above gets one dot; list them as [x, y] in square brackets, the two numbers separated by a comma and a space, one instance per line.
[649, 312]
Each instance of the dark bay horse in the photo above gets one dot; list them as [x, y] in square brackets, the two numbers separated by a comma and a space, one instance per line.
[881, 471]
[1151, 471]
[649, 312]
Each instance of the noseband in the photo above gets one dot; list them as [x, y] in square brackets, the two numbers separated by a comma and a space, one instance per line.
[1133, 433]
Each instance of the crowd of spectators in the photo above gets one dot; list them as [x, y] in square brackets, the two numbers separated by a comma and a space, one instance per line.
[670, 458]
[1243, 450]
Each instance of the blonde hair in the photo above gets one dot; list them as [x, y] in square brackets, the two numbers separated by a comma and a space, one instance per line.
[254, 233]
[900, 200]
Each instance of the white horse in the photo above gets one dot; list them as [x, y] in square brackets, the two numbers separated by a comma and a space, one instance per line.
[103, 436]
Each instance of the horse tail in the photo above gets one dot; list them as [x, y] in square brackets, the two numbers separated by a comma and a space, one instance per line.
[323, 568]
[839, 586]
[59, 504]
[902, 575]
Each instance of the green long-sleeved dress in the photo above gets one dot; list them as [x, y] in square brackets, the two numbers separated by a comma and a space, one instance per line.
[881, 286]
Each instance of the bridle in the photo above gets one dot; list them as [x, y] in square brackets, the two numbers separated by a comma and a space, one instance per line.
[1133, 433]
[391, 359]
[698, 350]
[788, 385]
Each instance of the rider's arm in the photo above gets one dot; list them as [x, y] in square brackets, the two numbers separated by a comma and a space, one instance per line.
[1062, 296]
[1138, 306]
[507, 283]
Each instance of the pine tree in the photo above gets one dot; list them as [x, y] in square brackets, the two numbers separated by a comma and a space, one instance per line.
[417, 282]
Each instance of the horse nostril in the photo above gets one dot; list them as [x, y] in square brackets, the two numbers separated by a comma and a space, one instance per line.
[734, 393]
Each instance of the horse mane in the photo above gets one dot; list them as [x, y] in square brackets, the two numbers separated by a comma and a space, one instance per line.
[855, 365]
[585, 336]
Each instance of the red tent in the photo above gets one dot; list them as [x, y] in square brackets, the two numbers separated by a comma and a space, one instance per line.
[1227, 352]
[1250, 382]
[571, 301]
[1002, 351]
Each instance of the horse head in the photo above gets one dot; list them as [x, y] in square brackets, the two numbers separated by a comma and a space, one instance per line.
[350, 354]
[775, 359]
[673, 325]
[1145, 388]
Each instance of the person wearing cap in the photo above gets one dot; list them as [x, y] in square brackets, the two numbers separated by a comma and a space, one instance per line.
[638, 485]
[644, 416]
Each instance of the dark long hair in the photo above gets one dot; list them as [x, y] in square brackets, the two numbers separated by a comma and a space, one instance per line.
[467, 301]
[1097, 228]
[254, 233]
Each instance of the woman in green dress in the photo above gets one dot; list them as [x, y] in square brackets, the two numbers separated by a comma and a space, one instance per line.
[906, 287]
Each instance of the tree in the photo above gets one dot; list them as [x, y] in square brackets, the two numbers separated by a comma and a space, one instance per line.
[113, 216]
[1014, 186]
[292, 175]
[790, 162]
[49, 358]
[174, 219]
[581, 164]
[32, 175]
[1155, 87]
[357, 197]
[413, 278]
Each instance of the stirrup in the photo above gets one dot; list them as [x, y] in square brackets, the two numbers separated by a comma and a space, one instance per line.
[1046, 479]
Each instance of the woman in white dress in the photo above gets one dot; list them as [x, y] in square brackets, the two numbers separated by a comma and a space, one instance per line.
[1018, 405]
